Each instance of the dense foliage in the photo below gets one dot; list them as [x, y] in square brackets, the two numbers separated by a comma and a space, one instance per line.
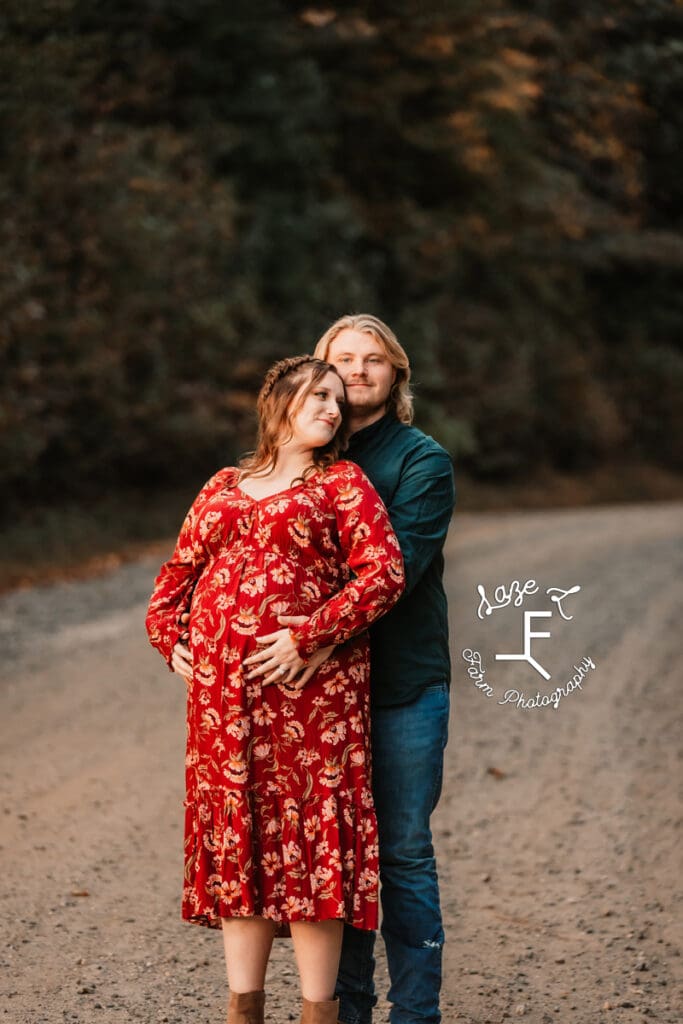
[189, 190]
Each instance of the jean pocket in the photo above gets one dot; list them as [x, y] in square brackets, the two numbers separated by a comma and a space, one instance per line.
[437, 687]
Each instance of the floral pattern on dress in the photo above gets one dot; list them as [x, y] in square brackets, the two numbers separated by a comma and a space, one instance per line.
[279, 817]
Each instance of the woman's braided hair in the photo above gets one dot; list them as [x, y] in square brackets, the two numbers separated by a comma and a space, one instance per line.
[281, 369]
[280, 398]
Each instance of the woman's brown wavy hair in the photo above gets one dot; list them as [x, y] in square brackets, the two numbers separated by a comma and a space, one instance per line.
[284, 390]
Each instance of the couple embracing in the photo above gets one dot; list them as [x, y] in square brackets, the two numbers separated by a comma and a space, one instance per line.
[304, 606]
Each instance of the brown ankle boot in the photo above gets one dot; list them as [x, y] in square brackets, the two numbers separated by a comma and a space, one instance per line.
[320, 1013]
[246, 1007]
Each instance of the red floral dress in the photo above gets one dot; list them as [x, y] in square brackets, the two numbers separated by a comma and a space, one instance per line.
[279, 818]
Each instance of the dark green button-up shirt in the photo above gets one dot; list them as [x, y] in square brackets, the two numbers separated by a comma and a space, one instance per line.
[414, 477]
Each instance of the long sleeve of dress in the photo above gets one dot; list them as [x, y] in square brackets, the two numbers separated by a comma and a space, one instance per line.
[371, 552]
[177, 577]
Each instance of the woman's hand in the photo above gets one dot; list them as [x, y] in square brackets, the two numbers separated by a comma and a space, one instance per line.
[297, 682]
[278, 661]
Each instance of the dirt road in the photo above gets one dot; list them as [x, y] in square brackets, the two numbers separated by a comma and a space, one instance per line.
[558, 833]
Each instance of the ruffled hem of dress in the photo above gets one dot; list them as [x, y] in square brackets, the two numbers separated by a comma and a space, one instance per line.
[282, 929]
[299, 875]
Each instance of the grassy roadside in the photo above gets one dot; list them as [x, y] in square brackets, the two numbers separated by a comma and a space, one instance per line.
[72, 540]
[75, 541]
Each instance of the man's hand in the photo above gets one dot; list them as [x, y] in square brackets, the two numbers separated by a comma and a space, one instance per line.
[181, 661]
[181, 656]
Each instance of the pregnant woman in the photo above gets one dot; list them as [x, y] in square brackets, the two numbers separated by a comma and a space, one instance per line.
[280, 828]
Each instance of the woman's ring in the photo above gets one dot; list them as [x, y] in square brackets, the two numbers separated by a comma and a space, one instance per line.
[282, 670]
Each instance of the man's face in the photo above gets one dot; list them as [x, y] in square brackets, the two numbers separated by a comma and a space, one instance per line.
[365, 370]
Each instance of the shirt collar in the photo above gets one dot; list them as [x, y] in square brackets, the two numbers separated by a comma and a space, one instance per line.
[372, 431]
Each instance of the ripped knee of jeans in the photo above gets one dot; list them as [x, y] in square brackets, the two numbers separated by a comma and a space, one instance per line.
[429, 944]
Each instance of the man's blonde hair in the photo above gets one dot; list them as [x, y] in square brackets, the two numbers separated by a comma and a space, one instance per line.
[401, 398]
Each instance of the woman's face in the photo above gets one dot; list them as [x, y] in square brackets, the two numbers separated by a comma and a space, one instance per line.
[318, 418]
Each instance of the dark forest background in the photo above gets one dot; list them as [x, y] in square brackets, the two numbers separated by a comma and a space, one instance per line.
[190, 190]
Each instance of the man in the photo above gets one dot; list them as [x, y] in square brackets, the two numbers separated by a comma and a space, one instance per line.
[410, 674]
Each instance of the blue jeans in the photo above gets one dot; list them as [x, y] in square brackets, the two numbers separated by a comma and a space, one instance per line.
[407, 757]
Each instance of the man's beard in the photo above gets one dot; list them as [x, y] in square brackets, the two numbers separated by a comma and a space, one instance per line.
[369, 405]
